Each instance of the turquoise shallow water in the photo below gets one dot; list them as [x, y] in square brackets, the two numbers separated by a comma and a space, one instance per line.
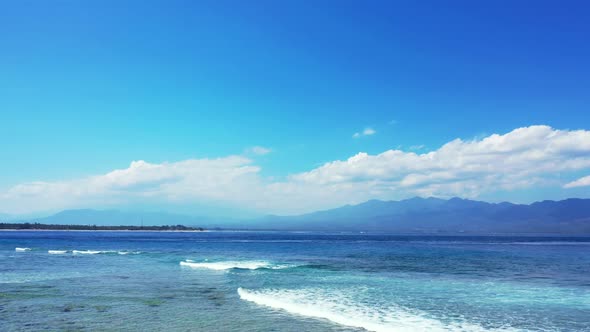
[274, 281]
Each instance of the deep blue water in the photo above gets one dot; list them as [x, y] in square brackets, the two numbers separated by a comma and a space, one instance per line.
[277, 281]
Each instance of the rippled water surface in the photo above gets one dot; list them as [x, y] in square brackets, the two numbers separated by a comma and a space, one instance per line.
[274, 281]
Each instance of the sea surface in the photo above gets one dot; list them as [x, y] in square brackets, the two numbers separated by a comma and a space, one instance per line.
[291, 281]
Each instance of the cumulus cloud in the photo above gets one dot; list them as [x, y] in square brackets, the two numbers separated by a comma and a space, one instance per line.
[222, 179]
[259, 150]
[365, 132]
[417, 147]
[523, 158]
[581, 182]
[519, 159]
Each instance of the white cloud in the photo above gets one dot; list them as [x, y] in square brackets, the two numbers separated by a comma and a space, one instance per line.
[523, 158]
[519, 159]
[365, 132]
[581, 182]
[259, 150]
[417, 147]
[222, 179]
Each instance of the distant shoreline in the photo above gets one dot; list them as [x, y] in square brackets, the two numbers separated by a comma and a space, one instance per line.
[86, 228]
[101, 230]
[341, 233]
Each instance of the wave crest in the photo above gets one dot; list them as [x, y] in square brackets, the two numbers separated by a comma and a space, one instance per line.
[228, 265]
[343, 310]
[127, 252]
[88, 252]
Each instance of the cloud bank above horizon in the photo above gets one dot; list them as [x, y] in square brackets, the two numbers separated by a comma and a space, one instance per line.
[528, 157]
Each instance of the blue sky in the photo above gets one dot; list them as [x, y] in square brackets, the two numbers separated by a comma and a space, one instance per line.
[88, 87]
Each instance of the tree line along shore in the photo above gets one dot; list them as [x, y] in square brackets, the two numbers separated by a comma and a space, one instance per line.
[38, 226]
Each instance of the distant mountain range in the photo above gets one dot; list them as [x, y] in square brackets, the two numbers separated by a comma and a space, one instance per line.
[415, 216]
[439, 216]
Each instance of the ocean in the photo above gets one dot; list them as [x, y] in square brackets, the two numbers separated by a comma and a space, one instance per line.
[291, 281]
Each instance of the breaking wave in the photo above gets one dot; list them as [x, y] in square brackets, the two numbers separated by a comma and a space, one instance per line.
[86, 252]
[341, 309]
[126, 252]
[91, 252]
[57, 252]
[228, 265]
[17, 249]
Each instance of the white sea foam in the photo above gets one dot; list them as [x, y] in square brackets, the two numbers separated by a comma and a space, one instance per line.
[126, 252]
[343, 310]
[227, 265]
[93, 252]
[86, 252]
[21, 249]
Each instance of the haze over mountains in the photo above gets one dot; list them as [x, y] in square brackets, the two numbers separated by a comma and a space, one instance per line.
[415, 215]
[433, 215]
